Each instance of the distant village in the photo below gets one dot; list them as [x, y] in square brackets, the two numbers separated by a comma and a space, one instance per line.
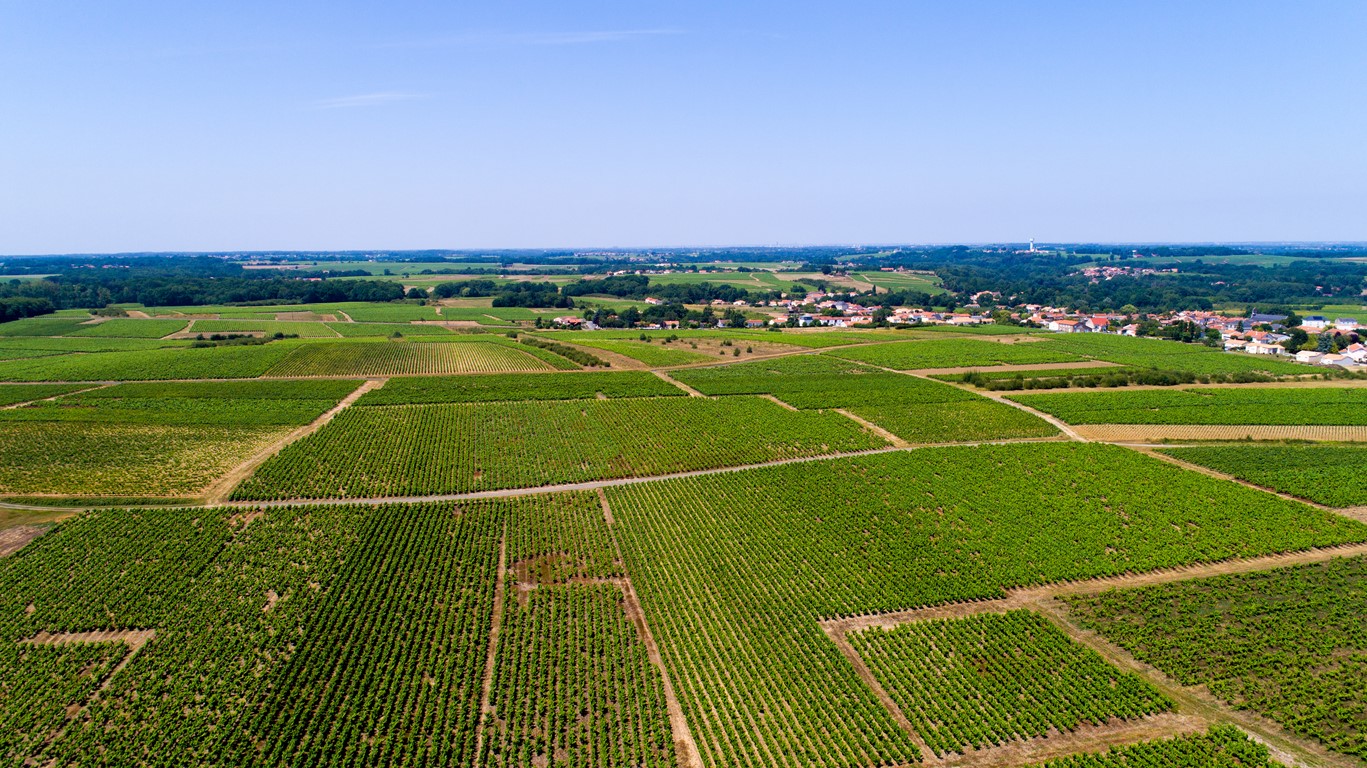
[1256, 334]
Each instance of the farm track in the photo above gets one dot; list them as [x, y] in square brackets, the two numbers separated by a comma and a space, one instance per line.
[491, 656]
[685, 748]
[219, 490]
[1197, 708]
[667, 378]
[12, 406]
[1149, 433]
[869, 425]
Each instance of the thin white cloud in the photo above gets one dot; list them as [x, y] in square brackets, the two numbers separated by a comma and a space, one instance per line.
[367, 100]
[585, 37]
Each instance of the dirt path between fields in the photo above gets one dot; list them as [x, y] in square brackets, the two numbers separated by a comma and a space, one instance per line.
[685, 748]
[219, 491]
[1062, 426]
[874, 428]
[1358, 513]
[1197, 708]
[13, 406]
[666, 377]
[1148, 433]
[487, 684]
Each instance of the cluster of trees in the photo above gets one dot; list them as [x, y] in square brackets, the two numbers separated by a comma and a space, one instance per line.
[177, 281]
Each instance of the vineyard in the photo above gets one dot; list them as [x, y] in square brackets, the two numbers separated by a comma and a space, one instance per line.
[1335, 476]
[151, 365]
[736, 570]
[573, 683]
[510, 387]
[384, 358]
[727, 617]
[350, 330]
[653, 355]
[1289, 643]
[132, 329]
[1222, 747]
[986, 679]
[149, 439]
[11, 394]
[415, 450]
[818, 381]
[962, 421]
[331, 635]
[1298, 406]
[953, 353]
[1169, 355]
[267, 327]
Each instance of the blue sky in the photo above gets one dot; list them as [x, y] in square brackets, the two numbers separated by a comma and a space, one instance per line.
[206, 126]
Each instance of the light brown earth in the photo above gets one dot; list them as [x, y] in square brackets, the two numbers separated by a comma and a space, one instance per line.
[1151, 433]
[485, 708]
[13, 539]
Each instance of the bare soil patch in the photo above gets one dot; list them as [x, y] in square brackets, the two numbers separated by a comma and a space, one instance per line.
[13, 539]
[1150, 433]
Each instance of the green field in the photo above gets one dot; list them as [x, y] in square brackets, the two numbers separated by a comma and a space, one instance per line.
[149, 439]
[818, 381]
[131, 329]
[1289, 643]
[233, 362]
[653, 355]
[388, 358]
[1243, 406]
[988, 679]
[1335, 476]
[736, 570]
[267, 327]
[1169, 355]
[514, 387]
[416, 450]
[954, 353]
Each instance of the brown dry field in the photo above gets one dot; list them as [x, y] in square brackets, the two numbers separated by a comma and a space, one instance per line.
[1150, 433]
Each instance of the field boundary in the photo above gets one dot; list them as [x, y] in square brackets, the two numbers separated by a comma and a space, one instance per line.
[99, 385]
[491, 655]
[1358, 513]
[685, 748]
[1197, 708]
[874, 428]
[219, 490]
